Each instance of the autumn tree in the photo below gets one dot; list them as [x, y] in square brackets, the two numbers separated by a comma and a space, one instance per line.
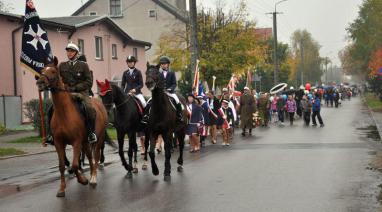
[306, 52]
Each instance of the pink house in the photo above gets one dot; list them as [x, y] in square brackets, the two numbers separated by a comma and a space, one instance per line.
[104, 43]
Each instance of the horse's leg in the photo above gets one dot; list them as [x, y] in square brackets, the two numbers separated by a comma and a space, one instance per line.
[135, 151]
[75, 164]
[88, 151]
[167, 148]
[60, 148]
[67, 164]
[147, 143]
[131, 135]
[154, 167]
[102, 159]
[181, 136]
[121, 142]
[97, 155]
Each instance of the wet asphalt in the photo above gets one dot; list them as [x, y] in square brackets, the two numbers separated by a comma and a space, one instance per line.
[290, 168]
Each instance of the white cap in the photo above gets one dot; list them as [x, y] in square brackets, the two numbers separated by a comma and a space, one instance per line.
[291, 88]
[72, 46]
[225, 89]
[246, 88]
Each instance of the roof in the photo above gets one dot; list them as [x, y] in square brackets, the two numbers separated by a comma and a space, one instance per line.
[72, 23]
[81, 21]
[181, 15]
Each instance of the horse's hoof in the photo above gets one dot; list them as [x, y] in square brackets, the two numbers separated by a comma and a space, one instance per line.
[155, 171]
[180, 169]
[101, 166]
[144, 167]
[93, 184]
[84, 182]
[60, 194]
[129, 175]
[167, 178]
[135, 170]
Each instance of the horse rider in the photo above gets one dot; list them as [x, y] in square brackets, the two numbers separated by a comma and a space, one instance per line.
[169, 79]
[132, 81]
[78, 81]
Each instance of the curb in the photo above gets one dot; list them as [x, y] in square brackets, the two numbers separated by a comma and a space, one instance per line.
[372, 116]
[26, 155]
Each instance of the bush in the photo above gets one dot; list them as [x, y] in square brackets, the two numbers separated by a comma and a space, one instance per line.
[32, 112]
[2, 129]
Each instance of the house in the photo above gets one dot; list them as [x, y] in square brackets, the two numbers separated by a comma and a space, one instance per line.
[104, 43]
[143, 19]
[264, 34]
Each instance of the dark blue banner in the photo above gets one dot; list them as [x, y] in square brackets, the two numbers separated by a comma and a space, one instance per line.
[35, 49]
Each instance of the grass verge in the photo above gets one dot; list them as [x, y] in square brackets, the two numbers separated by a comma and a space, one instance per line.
[373, 102]
[30, 139]
[112, 133]
[10, 151]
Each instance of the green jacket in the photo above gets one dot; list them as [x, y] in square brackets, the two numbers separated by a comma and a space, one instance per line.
[77, 76]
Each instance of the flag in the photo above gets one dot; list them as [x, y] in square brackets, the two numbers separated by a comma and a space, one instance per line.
[201, 90]
[380, 71]
[35, 48]
[232, 83]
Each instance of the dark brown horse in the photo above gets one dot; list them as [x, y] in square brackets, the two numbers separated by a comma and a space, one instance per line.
[127, 119]
[68, 127]
[163, 121]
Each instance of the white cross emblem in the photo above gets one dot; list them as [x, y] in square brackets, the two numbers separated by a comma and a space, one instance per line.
[36, 37]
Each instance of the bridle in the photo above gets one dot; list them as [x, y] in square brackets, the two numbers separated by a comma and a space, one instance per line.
[51, 81]
[112, 100]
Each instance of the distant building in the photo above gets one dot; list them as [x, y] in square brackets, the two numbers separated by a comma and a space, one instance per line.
[104, 43]
[143, 19]
[264, 33]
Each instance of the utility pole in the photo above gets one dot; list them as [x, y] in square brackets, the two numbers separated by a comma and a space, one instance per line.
[302, 61]
[275, 59]
[194, 38]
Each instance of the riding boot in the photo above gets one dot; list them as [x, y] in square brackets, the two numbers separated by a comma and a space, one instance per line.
[49, 137]
[90, 119]
[179, 114]
[146, 114]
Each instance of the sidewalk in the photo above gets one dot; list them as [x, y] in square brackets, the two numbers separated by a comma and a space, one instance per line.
[377, 116]
[28, 148]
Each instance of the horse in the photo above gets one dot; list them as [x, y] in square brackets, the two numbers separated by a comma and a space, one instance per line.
[163, 121]
[68, 127]
[125, 121]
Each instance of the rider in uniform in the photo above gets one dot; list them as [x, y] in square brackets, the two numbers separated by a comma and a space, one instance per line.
[132, 81]
[78, 81]
[169, 79]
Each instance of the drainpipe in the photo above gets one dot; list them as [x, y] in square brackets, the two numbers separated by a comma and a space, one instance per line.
[14, 60]
[147, 49]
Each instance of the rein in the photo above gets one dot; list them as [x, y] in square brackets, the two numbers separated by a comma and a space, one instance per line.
[112, 100]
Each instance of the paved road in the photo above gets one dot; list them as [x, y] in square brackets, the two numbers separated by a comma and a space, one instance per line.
[279, 169]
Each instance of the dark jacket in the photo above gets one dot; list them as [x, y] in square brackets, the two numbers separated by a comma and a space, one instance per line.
[169, 81]
[77, 76]
[229, 114]
[316, 104]
[205, 112]
[196, 114]
[134, 81]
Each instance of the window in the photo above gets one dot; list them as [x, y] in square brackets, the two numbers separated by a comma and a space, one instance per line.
[99, 48]
[81, 46]
[152, 13]
[114, 51]
[115, 8]
[135, 53]
[92, 13]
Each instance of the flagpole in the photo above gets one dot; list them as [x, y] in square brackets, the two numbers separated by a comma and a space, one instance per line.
[42, 119]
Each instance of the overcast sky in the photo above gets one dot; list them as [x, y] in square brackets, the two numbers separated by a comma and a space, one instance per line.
[325, 19]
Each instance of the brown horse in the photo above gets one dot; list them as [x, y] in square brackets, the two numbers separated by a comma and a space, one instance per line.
[68, 127]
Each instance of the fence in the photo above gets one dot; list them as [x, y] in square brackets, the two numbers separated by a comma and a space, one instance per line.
[10, 111]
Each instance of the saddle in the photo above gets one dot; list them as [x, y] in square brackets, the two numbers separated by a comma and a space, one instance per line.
[139, 106]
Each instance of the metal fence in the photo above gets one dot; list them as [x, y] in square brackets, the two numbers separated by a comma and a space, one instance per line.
[10, 111]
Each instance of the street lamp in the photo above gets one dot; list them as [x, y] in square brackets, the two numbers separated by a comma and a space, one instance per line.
[275, 42]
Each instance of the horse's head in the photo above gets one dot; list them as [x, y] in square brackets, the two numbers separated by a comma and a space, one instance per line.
[106, 94]
[49, 77]
[152, 77]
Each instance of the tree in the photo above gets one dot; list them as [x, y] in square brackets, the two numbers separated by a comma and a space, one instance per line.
[306, 53]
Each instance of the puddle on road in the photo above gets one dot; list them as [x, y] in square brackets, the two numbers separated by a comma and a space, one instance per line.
[371, 132]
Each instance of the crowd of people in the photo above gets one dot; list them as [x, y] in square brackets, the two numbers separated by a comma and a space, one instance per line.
[211, 114]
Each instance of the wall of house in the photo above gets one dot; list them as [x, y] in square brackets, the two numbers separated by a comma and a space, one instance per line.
[102, 69]
[6, 65]
[137, 23]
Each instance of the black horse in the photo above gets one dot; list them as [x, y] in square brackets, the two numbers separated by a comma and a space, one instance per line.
[127, 119]
[163, 121]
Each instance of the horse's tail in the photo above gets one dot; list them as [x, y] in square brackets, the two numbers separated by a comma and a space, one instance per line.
[109, 141]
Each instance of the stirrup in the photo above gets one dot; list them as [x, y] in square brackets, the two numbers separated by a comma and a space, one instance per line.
[92, 138]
